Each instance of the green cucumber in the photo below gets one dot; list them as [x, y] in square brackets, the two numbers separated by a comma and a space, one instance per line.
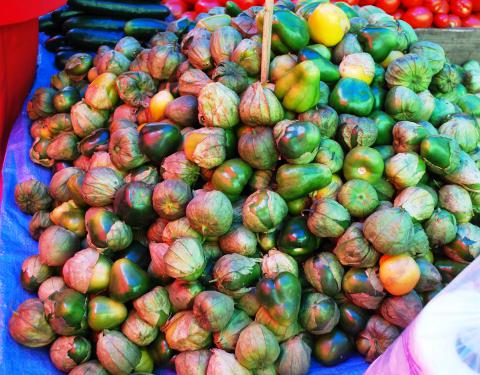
[93, 22]
[120, 9]
[46, 24]
[60, 15]
[54, 42]
[144, 28]
[91, 39]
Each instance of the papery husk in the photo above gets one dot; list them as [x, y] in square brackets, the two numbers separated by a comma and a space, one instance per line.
[116, 353]
[157, 265]
[205, 147]
[100, 185]
[192, 82]
[124, 149]
[260, 107]
[281, 332]
[179, 228]
[182, 294]
[140, 63]
[199, 55]
[401, 310]
[258, 149]
[112, 62]
[185, 259]
[139, 331]
[39, 222]
[32, 196]
[319, 313]
[154, 307]
[223, 363]
[239, 240]
[223, 42]
[178, 166]
[182, 333]
[371, 295]
[135, 88]
[352, 248]
[78, 270]
[294, 356]
[28, 325]
[247, 54]
[276, 262]
[210, 214]
[86, 119]
[218, 106]
[226, 339]
[58, 184]
[376, 338]
[163, 61]
[212, 310]
[194, 362]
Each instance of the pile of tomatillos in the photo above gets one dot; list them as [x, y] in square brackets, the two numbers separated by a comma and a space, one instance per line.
[196, 217]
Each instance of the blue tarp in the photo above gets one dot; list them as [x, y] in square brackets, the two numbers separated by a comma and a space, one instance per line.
[16, 244]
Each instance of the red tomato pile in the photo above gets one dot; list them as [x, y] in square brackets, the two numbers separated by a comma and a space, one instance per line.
[430, 13]
[191, 8]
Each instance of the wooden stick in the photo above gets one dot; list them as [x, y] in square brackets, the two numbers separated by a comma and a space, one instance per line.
[266, 40]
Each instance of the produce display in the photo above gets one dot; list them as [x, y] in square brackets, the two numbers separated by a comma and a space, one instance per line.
[200, 218]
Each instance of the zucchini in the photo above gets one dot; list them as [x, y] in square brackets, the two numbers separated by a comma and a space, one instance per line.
[91, 39]
[52, 44]
[60, 15]
[144, 28]
[46, 24]
[121, 9]
[93, 22]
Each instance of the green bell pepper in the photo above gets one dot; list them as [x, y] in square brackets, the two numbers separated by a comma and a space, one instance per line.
[296, 181]
[299, 88]
[289, 31]
[128, 281]
[364, 163]
[295, 239]
[352, 96]
[378, 41]
[231, 177]
[105, 313]
[280, 297]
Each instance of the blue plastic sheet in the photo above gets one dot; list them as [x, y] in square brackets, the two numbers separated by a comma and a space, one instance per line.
[16, 244]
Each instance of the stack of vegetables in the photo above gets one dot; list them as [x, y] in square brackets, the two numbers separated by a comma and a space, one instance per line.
[198, 216]
[84, 25]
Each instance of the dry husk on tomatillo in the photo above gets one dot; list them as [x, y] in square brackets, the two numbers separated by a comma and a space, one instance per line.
[153, 307]
[39, 222]
[56, 245]
[183, 332]
[117, 353]
[205, 147]
[324, 272]
[223, 363]
[223, 42]
[192, 82]
[170, 198]
[295, 355]
[276, 262]
[417, 201]
[32, 196]
[263, 211]
[218, 106]
[441, 228]
[248, 56]
[100, 185]
[257, 148]
[135, 88]
[86, 119]
[59, 190]
[178, 166]
[124, 149]
[193, 362]
[87, 271]
[177, 229]
[260, 107]
[199, 55]
[51, 285]
[390, 231]
[352, 248]
[67, 352]
[401, 310]
[238, 240]
[139, 331]
[112, 62]
[363, 287]
[227, 337]
[163, 61]
[318, 314]
[91, 368]
[456, 200]
[257, 347]
[235, 274]
[185, 259]
[33, 273]
[28, 325]
[212, 310]
[377, 336]
[231, 75]
[328, 218]
[102, 92]
[210, 214]
[63, 147]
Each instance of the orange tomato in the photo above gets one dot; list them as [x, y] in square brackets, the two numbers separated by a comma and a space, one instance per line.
[399, 274]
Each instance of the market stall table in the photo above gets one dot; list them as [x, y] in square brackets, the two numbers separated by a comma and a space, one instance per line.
[16, 244]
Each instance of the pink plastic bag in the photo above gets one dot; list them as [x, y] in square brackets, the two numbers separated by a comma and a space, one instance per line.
[444, 339]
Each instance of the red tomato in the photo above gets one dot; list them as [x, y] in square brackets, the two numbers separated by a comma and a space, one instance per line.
[476, 5]
[446, 21]
[471, 21]
[353, 2]
[437, 6]
[412, 3]
[418, 17]
[190, 1]
[203, 6]
[245, 4]
[190, 15]
[398, 13]
[177, 7]
[389, 6]
[462, 8]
